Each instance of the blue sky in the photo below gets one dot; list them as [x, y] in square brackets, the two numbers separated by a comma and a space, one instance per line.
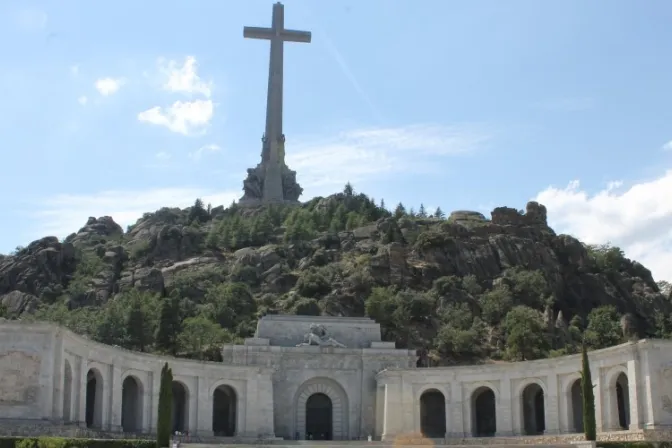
[117, 108]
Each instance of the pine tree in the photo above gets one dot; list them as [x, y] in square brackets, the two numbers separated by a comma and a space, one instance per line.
[198, 212]
[382, 204]
[137, 326]
[348, 190]
[169, 325]
[589, 425]
[439, 213]
[399, 211]
[165, 414]
[422, 213]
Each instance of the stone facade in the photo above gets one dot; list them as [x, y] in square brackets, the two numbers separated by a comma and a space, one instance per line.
[269, 387]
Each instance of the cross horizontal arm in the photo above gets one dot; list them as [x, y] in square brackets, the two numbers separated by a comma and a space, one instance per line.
[254, 32]
[296, 36]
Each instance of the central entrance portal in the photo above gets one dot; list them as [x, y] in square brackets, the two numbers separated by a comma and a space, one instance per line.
[319, 412]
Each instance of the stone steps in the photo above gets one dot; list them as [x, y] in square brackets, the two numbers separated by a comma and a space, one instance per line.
[436, 443]
[349, 444]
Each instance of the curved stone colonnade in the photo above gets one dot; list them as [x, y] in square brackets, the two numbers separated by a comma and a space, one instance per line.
[78, 382]
[531, 398]
[52, 374]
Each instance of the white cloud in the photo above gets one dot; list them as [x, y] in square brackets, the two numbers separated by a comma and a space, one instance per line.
[82, 100]
[637, 218]
[184, 117]
[204, 150]
[163, 156]
[360, 154]
[74, 70]
[667, 146]
[184, 78]
[108, 86]
[63, 214]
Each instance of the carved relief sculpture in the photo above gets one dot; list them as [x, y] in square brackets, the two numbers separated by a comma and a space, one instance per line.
[318, 335]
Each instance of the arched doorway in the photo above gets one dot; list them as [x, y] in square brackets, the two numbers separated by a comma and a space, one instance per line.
[433, 414]
[623, 400]
[319, 417]
[533, 414]
[67, 391]
[131, 405]
[224, 407]
[483, 413]
[576, 407]
[94, 399]
[180, 407]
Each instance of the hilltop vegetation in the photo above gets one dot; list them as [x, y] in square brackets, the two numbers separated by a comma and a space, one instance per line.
[458, 289]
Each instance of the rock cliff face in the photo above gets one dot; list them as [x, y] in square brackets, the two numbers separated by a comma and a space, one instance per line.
[301, 260]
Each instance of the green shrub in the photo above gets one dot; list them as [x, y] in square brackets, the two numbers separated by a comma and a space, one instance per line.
[62, 442]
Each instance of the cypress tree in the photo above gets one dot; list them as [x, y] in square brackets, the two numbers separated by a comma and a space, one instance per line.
[165, 417]
[589, 425]
[169, 325]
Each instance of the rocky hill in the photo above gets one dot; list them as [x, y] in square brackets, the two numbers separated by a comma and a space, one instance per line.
[460, 289]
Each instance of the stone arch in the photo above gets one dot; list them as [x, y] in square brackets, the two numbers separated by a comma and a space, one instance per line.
[180, 406]
[67, 391]
[618, 398]
[132, 404]
[94, 398]
[533, 408]
[339, 406]
[225, 411]
[484, 411]
[433, 413]
[573, 403]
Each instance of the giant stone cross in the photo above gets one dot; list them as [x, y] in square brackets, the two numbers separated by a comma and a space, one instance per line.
[272, 180]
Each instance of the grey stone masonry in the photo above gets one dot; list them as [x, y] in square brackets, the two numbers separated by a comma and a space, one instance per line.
[272, 180]
[263, 389]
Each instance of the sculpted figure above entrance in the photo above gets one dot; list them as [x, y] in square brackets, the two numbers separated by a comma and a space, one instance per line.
[318, 335]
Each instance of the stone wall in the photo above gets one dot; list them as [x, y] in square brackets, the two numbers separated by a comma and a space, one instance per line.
[288, 331]
[345, 375]
[26, 365]
[44, 371]
[638, 367]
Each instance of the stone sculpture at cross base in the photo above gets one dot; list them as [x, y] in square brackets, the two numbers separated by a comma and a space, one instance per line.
[283, 186]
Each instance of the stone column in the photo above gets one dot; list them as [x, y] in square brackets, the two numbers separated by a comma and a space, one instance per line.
[193, 406]
[56, 411]
[380, 410]
[204, 424]
[147, 400]
[82, 372]
[517, 415]
[454, 411]
[249, 417]
[504, 408]
[551, 408]
[650, 384]
[407, 406]
[115, 397]
[266, 405]
[634, 379]
[155, 387]
[393, 412]
[601, 417]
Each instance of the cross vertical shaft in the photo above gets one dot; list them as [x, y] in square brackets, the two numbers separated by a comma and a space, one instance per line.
[278, 35]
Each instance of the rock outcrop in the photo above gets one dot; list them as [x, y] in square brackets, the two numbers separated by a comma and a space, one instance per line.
[291, 269]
